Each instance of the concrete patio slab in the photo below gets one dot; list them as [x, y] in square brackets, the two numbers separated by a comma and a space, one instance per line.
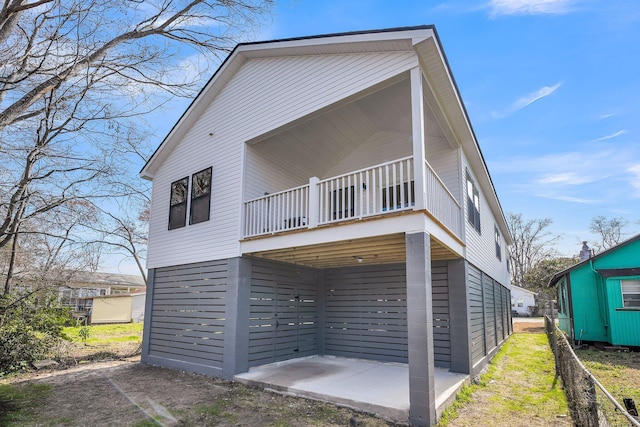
[374, 387]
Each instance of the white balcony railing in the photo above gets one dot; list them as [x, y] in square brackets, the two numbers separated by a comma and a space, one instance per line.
[440, 202]
[377, 190]
[366, 192]
[285, 210]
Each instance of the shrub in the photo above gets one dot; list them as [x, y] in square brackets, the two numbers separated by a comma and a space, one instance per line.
[30, 326]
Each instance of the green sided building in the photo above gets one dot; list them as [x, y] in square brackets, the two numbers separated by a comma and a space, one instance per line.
[599, 298]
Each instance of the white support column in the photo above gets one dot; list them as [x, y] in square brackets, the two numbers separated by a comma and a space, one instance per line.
[314, 206]
[419, 152]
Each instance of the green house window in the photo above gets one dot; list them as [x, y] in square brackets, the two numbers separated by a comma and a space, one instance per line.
[630, 293]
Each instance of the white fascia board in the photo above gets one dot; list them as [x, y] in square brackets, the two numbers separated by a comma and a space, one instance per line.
[329, 44]
[417, 222]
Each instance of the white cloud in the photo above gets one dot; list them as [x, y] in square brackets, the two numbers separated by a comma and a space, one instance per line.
[530, 7]
[571, 199]
[588, 176]
[565, 178]
[527, 100]
[611, 136]
[634, 179]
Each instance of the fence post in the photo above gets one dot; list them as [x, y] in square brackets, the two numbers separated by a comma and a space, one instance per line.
[554, 343]
[592, 401]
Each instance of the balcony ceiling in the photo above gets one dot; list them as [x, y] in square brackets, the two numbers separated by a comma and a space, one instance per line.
[389, 249]
[319, 143]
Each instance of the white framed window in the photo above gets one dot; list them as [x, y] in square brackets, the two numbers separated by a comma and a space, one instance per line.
[178, 203]
[200, 196]
[630, 293]
[473, 203]
[496, 234]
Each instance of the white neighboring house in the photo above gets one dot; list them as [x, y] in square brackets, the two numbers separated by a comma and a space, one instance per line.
[326, 196]
[523, 301]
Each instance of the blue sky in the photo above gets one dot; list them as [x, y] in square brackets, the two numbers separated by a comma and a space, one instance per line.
[552, 88]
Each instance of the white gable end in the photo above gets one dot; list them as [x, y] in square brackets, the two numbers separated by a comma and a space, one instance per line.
[264, 95]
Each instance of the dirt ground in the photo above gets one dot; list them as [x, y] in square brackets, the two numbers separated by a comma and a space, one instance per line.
[127, 393]
[528, 324]
[123, 392]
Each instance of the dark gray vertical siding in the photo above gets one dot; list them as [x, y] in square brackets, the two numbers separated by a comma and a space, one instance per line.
[499, 310]
[188, 315]
[441, 319]
[366, 312]
[476, 315]
[489, 312]
[283, 312]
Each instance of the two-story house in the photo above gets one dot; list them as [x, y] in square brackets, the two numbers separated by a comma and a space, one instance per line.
[326, 196]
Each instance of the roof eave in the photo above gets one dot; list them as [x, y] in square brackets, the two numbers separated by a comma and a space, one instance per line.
[282, 47]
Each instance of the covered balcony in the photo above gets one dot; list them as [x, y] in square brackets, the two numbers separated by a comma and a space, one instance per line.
[355, 161]
[382, 189]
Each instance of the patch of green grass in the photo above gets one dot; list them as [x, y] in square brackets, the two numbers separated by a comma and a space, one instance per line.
[17, 403]
[210, 410]
[103, 334]
[519, 383]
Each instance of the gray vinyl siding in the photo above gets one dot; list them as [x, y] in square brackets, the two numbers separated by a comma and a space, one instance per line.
[264, 94]
[441, 319]
[188, 316]
[283, 321]
[366, 313]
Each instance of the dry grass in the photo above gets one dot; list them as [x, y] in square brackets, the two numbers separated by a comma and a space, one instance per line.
[618, 372]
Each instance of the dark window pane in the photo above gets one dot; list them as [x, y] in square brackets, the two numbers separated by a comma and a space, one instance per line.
[200, 196]
[178, 216]
[200, 209]
[201, 184]
[178, 203]
[179, 191]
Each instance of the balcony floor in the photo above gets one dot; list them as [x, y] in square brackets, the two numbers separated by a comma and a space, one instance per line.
[367, 386]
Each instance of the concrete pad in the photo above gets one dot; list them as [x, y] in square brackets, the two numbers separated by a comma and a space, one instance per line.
[379, 388]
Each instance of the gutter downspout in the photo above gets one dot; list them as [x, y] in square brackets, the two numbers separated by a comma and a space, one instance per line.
[602, 298]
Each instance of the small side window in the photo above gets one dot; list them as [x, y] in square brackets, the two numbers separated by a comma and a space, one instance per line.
[200, 196]
[473, 203]
[630, 293]
[178, 208]
[496, 233]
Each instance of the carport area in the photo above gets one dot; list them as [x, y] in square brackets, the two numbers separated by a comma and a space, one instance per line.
[380, 388]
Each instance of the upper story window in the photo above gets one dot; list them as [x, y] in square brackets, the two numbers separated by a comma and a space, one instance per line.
[178, 208]
[473, 203]
[496, 234]
[630, 293]
[200, 196]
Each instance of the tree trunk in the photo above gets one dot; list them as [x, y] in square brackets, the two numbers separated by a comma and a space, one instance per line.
[12, 262]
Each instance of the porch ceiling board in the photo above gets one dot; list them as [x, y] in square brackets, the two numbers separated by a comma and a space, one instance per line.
[388, 249]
